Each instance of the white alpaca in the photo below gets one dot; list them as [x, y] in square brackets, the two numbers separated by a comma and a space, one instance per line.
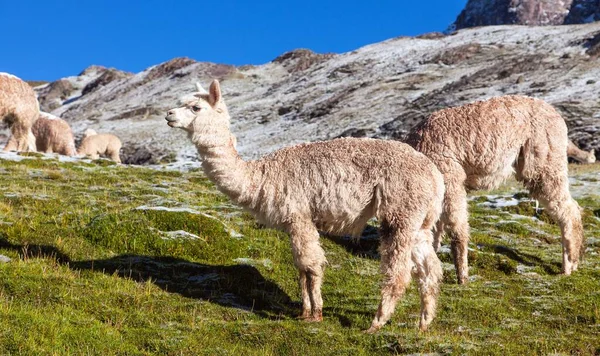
[53, 134]
[336, 187]
[19, 108]
[94, 145]
[479, 145]
[580, 155]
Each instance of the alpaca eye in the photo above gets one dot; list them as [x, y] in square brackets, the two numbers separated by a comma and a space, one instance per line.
[196, 108]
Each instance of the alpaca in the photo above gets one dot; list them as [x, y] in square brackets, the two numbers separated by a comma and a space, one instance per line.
[477, 146]
[580, 155]
[19, 108]
[95, 144]
[53, 134]
[332, 186]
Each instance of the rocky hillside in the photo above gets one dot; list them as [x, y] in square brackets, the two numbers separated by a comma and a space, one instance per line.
[380, 90]
[527, 12]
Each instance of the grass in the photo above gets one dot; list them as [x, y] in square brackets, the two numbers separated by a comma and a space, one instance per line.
[100, 266]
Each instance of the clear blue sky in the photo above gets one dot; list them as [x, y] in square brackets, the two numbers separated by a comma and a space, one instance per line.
[47, 40]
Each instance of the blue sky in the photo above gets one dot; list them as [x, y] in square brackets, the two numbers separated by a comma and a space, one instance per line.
[47, 40]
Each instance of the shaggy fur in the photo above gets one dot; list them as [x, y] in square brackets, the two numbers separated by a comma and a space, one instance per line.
[580, 155]
[334, 186]
[94, 145]
[477, 146]
[19, 108]
[53, 135]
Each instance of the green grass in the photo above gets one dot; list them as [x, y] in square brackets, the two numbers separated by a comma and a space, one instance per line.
[93, 273]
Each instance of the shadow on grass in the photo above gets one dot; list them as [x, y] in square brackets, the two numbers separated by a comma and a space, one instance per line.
[551, 268]
[27, 251]
[238, 286]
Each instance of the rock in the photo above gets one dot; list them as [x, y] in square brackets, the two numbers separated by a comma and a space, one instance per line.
[108, 76]
[301, 59]
[4, 259]
[52, 96]
[526, 12]
[134, 153]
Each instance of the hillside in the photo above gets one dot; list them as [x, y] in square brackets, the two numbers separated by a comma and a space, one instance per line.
[380, 90]
[123, 260]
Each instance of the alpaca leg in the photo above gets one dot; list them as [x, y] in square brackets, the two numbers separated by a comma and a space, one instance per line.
[24, 139]
[11, 145]
[455, 218]
[309, 258]
[114, 156]
[438, 234]
[428, 274]
[396, 268]
[306, 303]
[553, 194]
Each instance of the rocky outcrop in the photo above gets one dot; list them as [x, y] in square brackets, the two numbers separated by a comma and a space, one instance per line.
[108, 76]
[54, 94]
[527, 12]
[299, 60]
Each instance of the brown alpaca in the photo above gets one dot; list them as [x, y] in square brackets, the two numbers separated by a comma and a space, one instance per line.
[580, 155]
[94, 145]
[19, 108]
[479, 145]
[336, 187]
[53, 135]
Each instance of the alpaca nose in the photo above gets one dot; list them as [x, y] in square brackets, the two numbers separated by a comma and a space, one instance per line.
[170, 112]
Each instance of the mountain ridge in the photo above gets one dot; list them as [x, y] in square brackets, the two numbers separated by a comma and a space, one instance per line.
[379, 90]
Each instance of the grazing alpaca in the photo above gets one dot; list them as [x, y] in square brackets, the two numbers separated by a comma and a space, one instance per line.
[580, 155]
[94, 145]
[53, 134]
[19, 108]
[334, 186]
[477, 146]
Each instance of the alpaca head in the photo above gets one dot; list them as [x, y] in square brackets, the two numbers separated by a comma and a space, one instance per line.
[89, 132]
[201, 112]
[591, 157]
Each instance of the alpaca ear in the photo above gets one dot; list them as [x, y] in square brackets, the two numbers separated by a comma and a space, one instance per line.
[200, 89]
[214, 93]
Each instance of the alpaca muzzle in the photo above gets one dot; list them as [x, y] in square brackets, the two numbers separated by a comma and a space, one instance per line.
[171, 119]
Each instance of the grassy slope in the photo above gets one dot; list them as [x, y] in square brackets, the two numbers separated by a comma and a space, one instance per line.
[90, 274]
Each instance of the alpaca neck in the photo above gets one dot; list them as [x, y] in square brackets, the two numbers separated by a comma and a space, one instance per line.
[223, 165]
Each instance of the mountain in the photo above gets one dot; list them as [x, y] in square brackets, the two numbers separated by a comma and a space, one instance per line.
[380, 90]
[527, 12]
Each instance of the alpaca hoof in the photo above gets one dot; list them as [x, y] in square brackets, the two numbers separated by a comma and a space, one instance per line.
[423, 327]
[463, 280]
[372, 330]
[304, 315]
[315, 317]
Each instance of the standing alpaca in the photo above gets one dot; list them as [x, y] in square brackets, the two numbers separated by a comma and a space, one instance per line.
[580, 155]
[19, 108]
[94, 145]
[334, 186]
[53, 134]
[477, 146]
